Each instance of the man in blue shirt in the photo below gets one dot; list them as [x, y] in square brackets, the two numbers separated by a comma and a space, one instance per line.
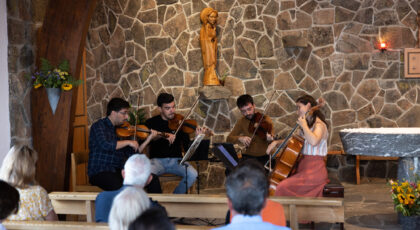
[136, 174]
[107, 152]
[247, 191]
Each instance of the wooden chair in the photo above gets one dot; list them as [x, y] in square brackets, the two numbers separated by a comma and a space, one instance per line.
[79, 161]
[367, 158]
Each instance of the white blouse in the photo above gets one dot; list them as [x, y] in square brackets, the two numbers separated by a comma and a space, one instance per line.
[321, 148]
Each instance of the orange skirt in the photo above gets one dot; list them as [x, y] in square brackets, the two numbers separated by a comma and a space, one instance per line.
[309, 180]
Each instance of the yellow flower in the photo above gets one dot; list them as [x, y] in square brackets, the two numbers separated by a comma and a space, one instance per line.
[401, 198]
[409, 190]
[399, 189]
[411, 198]
[405, 184]
[66, 86]
[37, 85]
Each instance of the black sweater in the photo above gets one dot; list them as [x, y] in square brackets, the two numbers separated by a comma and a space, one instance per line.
[161, 148]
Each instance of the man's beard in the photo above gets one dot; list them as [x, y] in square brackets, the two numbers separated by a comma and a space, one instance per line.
[249, 117]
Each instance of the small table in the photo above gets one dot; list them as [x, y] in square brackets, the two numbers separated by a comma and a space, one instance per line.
[387, 142]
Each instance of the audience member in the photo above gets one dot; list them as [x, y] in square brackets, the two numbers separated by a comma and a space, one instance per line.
[136, 173]
[18, 169]
[9, 201]
[247, 191]
[152, 219]
[127, 205]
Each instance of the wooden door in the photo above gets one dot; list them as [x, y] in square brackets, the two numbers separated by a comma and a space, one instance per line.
[80, 124]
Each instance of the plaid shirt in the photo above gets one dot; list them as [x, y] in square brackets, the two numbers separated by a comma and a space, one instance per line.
[103, 157]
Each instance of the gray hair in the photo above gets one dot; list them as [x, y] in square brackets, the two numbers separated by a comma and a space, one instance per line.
[247, 188]
[137, 170]
[126, 207]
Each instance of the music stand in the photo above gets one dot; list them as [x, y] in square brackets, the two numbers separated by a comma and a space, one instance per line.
[227, 154]
[199, 150]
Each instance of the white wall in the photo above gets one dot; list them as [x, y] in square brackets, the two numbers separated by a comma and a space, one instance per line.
[4, 85]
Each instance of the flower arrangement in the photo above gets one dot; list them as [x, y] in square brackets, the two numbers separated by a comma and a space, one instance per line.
[54, 77]
[406, 197]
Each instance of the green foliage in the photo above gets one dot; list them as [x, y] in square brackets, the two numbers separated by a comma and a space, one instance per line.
[141, 117]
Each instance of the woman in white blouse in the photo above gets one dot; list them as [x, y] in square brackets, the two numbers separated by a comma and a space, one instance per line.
[311, 174]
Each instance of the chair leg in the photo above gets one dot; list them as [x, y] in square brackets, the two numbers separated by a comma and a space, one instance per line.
[357, 169]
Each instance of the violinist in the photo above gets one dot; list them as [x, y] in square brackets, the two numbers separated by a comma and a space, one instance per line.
[107, 153]
[311, 174]
[166, 152]
[245, 128]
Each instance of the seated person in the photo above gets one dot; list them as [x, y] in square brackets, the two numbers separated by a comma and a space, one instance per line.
[107, 152]
[273, 212]
[127, 205]
[18, 169]
[9, 201]
[311, 174]
[247, 191]
[136, 173]
[152, 219]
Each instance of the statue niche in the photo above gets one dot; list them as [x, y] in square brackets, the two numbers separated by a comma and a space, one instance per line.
[208, 42]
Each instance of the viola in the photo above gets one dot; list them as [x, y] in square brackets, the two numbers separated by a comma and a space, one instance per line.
[188, 126]
[140, 131]
[263, 128]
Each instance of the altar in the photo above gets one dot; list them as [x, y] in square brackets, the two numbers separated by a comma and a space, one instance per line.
[387, 142]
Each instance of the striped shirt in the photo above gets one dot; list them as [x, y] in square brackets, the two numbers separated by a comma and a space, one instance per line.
[321, 148]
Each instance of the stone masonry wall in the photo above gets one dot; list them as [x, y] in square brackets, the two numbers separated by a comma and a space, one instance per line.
[326, 48]
[24, 17]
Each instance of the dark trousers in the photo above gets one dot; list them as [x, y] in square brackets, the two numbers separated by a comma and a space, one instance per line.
[109, 181]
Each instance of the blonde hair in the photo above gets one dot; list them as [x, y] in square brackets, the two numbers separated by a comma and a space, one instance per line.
[18, 167]
[126, 207]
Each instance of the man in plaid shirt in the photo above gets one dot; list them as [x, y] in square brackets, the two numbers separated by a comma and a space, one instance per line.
[108, 153]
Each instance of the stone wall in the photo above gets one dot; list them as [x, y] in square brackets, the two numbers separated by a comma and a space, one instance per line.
[24, 17]
[137, 49]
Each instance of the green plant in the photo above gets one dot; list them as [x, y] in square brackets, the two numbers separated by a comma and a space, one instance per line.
[141, 117]
[406, 196]
[54, 77]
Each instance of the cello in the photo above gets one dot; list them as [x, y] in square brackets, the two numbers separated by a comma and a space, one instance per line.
[288, 158]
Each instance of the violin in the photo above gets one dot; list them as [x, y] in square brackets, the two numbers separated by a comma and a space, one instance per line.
[188, 126]
[140, 131]
[263, 128]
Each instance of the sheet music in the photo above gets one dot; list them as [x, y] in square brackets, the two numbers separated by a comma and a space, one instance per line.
[193, 147]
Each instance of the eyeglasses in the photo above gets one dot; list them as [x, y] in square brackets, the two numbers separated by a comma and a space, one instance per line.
[125, 113]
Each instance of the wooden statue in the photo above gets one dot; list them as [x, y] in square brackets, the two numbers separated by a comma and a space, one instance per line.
[208, 42]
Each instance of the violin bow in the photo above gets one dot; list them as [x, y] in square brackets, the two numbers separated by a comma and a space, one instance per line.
[185, 117]
[265, 110]
[136, 117]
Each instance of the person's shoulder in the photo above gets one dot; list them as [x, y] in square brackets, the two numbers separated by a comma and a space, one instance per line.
[36, 188]
[154, 118]
[98, 123]
[106, 195]
[270, 226]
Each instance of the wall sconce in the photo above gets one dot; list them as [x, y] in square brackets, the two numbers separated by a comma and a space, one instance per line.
[383, 46]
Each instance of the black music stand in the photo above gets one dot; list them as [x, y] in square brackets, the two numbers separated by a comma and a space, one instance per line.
[199, 150]
[227, 154]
